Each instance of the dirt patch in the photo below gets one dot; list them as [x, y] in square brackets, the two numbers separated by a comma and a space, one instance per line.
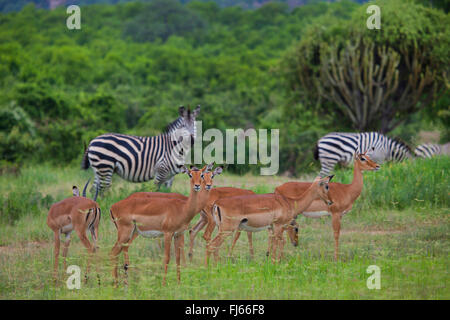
[24, 246]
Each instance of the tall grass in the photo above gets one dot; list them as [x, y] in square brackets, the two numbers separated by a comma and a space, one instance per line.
[416, 183]
[411, 245]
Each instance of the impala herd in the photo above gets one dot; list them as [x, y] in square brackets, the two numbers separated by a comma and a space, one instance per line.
[232, 210]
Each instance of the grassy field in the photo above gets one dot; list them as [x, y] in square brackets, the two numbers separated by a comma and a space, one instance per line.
[400, 223]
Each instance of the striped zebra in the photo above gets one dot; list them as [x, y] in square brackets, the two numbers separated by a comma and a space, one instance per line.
[140, 159]
[428, 150]
[339, 147]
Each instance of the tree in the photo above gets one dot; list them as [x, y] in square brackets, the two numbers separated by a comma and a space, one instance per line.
[373, 78]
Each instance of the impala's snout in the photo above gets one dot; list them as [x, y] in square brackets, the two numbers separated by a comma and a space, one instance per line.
[197, 187]
[208, 187]
[330, 202]
[377, 168]
[295, 244]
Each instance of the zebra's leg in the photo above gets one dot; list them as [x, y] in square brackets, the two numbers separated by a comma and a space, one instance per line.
[327, 165]
[168, 183]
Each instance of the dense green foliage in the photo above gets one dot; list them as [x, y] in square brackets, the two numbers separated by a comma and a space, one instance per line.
[373, 79]
[127, 70]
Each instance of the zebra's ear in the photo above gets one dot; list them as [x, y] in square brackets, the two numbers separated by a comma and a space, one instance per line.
[182, 111]
[196, 112]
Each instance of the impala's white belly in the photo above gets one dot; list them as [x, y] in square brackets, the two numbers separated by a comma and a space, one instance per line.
[150, 233]
[243, 226]
[67, 228]
[316, 214]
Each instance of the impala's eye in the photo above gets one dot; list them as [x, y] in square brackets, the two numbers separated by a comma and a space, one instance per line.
[296, 230]
[363, 159]
[327, 187]
[202, 176]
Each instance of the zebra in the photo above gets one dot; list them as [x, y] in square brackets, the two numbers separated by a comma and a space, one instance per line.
[428, 150]
[340, 147]
[140, 159]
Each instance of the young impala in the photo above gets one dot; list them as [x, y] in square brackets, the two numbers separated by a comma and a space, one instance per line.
[75, 213]
[343, 195]
[160, 217]
[257, 212]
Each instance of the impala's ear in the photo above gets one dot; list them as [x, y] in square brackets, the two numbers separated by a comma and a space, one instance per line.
[330, 177]
[210, 166]
[75, 191]
[183, 169]
[194, 168]
[317, 179]
[217, 171]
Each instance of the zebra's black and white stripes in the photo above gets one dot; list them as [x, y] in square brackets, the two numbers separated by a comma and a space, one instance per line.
[140, 159]
[429, 150]
[340, 147]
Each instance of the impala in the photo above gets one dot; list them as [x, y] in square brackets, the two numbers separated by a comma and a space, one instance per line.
[207, 176]
[343, 195]
[160, 217]
[206, 215]
[74, 213]
[257, 212]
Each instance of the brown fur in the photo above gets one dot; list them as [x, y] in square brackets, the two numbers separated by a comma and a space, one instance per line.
[342, 195]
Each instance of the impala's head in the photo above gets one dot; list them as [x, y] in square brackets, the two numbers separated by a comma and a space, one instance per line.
[208, 175]
[195, 175]
[322, 188]
[365, 162]
[292, 232]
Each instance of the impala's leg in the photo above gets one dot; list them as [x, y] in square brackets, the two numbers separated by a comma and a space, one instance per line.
[209, 227]
[167, 242]
[66, 249]
[126, 258]
[123, 237]
[177, 245]
[194, 231]
[270, 242]
[277, 241]
[237, 234]
[250, 244]
[283, 242]
[183, 257]
[56, 253]
[214, 245]
[89, 246]
[336, 221]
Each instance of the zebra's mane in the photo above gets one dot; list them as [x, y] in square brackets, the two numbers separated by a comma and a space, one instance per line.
[178, 123]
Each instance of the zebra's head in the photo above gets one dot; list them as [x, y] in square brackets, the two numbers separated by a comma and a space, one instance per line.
[184, 127]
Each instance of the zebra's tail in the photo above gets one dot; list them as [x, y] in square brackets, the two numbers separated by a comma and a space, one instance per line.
[316, 152]
[85, 162]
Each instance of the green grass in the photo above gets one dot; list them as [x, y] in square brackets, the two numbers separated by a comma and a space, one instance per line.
[408, 240]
